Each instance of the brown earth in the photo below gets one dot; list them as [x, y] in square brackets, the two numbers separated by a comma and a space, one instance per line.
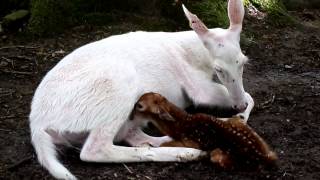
[283, 76]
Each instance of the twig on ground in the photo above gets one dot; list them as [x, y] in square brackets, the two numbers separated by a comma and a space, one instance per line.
[5, 94]
[22, 57]
[147, 177]
[18, 46]
[7, 117]
[267, 103]
[14, 116]
[18, 72]
[19, 163]
[129, 170]
[5, 130]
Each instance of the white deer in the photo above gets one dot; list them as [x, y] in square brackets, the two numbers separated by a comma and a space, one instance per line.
[89, 95]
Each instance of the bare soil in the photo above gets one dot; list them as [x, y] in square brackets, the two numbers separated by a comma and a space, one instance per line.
[283, 76]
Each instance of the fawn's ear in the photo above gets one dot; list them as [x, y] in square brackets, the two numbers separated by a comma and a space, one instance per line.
[236, 14]
[195, 23]
[140, 106]
[165, 116]
[131, 115]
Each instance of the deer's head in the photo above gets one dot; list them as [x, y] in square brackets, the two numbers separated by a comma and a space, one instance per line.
[224, 48]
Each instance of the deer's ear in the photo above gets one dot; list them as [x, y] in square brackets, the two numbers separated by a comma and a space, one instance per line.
[195, 23]
[236, 14]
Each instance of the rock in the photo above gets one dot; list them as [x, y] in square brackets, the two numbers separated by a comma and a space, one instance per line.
[3, 63]
[15, 20]
[287, 66]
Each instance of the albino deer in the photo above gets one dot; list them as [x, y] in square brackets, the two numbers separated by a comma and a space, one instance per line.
[93, 90]
[230, 140]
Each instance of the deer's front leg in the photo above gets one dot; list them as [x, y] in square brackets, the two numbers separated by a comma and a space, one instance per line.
[208, 93]
[99, 147]
[131, 133]
[216, 94]
[136, 137]
[245, 115]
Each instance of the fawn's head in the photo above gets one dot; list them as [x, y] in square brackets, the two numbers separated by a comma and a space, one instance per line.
[154, 105]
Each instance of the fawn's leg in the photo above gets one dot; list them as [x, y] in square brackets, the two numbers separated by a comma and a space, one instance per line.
[223, 159]
[181, 143]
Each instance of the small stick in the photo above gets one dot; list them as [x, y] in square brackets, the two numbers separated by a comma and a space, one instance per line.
[19, 163]
[7, 117]
[4, 95]
[129, 170]
[5, 130]
[22, 57]
[267, 103]
[18, 46]
[18, 72]
[147, 177]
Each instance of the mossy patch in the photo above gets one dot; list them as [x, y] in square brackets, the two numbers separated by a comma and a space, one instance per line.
[212, 12]
[8, 6]
[52, 16]
[49, 16]
[15, 20]
[16, 15]
[275, 9]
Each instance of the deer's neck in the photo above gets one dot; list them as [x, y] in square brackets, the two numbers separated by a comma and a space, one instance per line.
[194, 51]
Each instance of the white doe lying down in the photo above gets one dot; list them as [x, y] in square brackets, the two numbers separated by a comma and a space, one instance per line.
[93, 90]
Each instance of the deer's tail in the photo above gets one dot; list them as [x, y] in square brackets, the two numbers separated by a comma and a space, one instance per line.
[46, 154]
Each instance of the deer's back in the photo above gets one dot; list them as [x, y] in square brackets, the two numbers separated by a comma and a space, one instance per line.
[104, 79]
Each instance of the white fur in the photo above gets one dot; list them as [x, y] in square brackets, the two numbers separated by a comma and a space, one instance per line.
[93, 90]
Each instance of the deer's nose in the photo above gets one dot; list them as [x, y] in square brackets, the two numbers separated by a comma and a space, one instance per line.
[241, 108]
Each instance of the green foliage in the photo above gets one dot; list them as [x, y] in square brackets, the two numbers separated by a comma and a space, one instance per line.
[7, 6]
[49, 16]
[97, 18]
[16, 15]
[52, 16]
[270, 6]
[15, 20]
[212, 12]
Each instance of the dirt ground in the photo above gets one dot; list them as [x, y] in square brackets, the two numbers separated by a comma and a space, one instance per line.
[283, 76]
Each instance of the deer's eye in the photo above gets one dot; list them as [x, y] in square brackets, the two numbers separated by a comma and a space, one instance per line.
[222, 74]
[218, 69]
